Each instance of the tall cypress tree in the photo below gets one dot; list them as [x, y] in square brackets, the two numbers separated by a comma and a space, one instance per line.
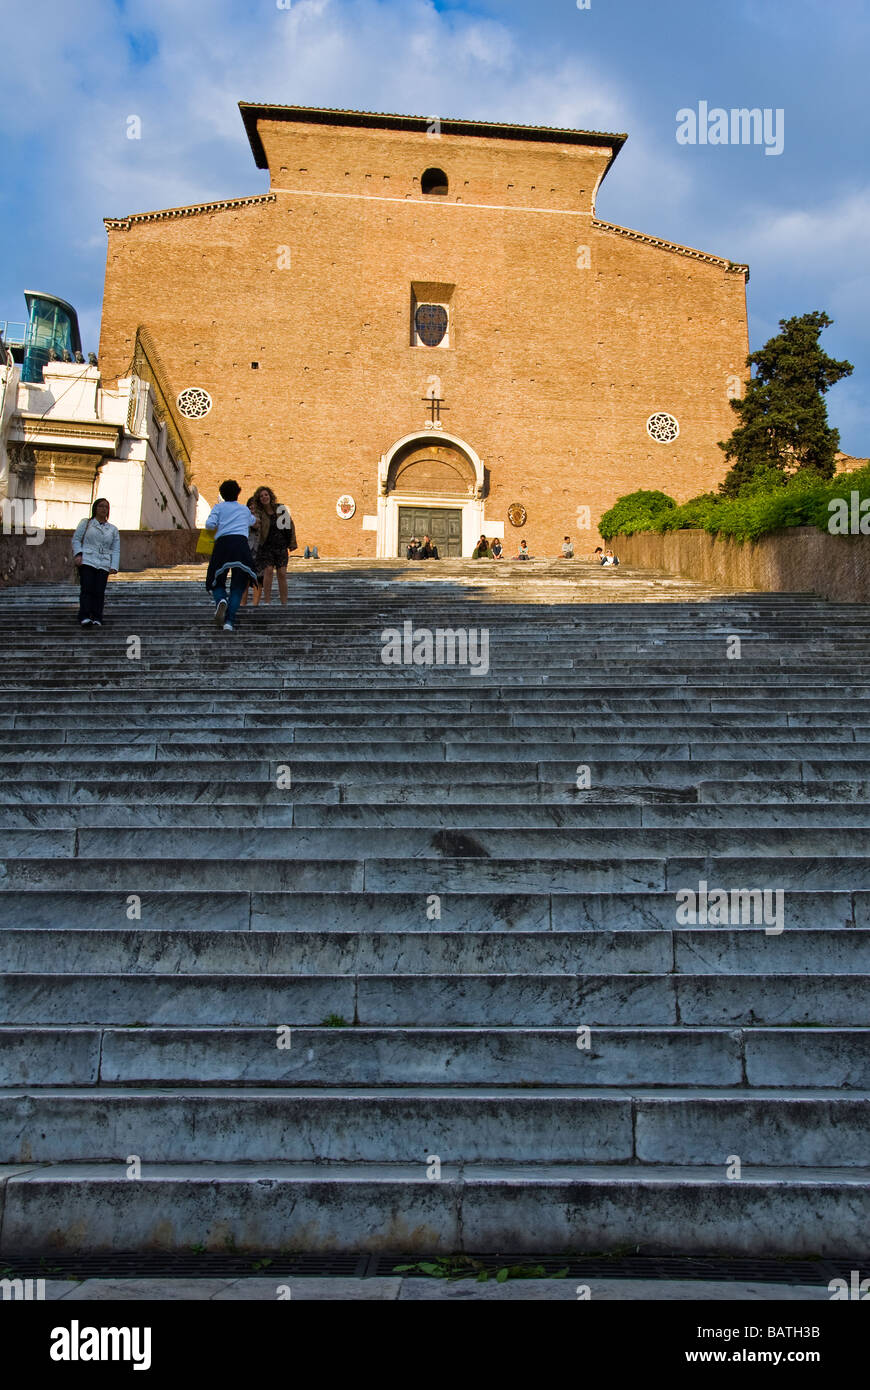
[783, 430]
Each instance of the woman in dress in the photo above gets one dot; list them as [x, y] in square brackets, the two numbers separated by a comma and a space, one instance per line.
[276, 538]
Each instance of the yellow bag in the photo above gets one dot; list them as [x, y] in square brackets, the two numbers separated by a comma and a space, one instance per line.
[205, 544]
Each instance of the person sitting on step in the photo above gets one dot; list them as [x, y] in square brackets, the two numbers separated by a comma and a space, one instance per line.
[523, 552]
[610, 558]
[497, 551]
[413, 551]
[428, 551]
[567, 549]
[481, 550]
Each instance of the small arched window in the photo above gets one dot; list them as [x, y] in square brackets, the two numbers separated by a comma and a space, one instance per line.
[434, 181]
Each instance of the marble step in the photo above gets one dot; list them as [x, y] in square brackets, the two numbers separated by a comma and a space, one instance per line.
[69, 728]
[163, 909]
[502, 737]
[815, 799]
[446, 1000]
[403, 1124]
[192, 746]
[513, 704]
[629, 771]
[96, 792]
[836, 1058]
[488, 815]
[649, 842]
[299, 671]
[48, 867]
[692, 950]
[474, 1208]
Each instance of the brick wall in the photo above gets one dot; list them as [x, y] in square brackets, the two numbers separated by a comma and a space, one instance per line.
[552, 371]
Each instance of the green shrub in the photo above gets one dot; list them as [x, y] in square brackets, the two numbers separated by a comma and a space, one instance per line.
[803, 501]
[636, 511]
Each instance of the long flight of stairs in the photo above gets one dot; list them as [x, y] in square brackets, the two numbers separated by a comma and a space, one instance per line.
[300, 951]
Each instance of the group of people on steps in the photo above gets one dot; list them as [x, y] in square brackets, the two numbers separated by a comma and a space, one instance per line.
[252, 544]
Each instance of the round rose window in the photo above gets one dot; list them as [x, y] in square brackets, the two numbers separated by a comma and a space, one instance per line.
[663, 428]
[193, 403]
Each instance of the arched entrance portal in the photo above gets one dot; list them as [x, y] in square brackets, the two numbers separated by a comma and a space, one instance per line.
[430, 483]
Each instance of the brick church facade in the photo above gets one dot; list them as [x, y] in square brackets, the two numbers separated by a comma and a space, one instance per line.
[423, 326]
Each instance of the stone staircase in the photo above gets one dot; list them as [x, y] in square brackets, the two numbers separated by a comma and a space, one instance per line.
[501, 1037]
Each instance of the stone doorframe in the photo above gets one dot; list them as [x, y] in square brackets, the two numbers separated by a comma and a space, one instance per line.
[472, 507]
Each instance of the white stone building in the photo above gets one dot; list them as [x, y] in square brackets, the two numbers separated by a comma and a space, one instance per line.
[67, 440]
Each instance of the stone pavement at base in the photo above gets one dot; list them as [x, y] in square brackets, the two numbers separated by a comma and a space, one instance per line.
[429, 1290]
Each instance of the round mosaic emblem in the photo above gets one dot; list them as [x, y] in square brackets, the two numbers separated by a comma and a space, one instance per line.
[193, 402]
[345, 506]
[663, 428]
[430, 320]
[517, 514]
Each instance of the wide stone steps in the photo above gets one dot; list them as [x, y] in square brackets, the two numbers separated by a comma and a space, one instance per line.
[287, 926]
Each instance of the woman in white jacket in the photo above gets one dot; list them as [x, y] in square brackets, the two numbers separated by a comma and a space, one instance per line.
[96, 548]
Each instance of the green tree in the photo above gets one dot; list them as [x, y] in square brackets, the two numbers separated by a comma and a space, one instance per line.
[783, 431]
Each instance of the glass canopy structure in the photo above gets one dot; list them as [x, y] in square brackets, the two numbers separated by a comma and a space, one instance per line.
[52, 324]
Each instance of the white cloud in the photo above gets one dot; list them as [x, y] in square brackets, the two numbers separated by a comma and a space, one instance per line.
[366, 54]
[801, 236]
[66, 114]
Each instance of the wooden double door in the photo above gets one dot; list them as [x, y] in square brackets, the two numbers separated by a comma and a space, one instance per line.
[443, 525]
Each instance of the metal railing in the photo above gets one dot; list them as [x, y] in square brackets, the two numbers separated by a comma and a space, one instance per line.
[13, 334]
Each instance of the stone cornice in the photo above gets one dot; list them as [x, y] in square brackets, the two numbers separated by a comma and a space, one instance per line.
[732, 267]
[253, 112]
[123, 224]
[39, 430]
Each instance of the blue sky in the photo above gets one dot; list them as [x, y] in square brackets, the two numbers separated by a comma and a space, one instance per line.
[74, 74]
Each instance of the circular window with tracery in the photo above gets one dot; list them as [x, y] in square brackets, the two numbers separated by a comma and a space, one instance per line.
[663, 428]
[193, 402]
